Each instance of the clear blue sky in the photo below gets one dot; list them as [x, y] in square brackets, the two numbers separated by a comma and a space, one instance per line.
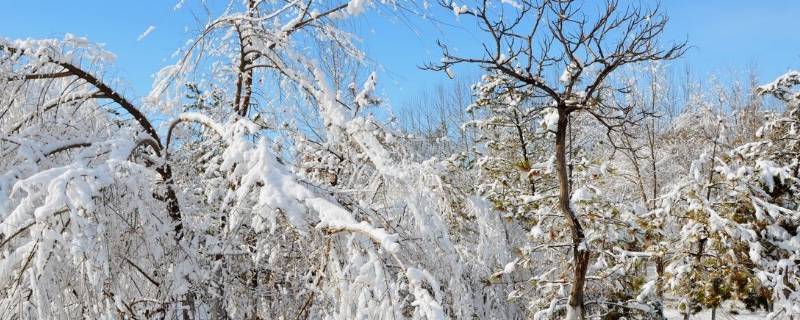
[725, 35]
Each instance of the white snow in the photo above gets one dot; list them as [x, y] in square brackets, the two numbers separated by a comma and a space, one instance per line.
[582, 194]
[569, 73]
[510, 267]
[356, 7]
[146, 32]
[426, 305]
[550, 120]
[459, 10]
[362, 98]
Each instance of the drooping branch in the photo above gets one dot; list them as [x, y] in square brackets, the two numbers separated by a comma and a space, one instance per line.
[37, 76]
[112, 94]
[104, 91]
[101, 86]
[196, 118]
[57, 102]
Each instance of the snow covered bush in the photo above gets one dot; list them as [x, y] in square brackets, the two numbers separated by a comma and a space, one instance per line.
[106, 215]
[734, 218]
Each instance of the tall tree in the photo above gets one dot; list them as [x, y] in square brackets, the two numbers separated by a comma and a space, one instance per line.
[529, 40]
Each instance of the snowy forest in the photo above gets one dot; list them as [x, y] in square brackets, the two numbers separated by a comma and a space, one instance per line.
[265, 176]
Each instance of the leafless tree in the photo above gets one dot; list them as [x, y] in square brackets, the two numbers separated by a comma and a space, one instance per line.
[530, 39]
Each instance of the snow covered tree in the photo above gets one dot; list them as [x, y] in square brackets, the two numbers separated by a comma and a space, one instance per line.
[706, 266]
[761, 178]
[736, 212]
[530, 39]
[514, 161]
[107, 215]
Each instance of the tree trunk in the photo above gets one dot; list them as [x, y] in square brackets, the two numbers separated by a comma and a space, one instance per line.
[660, 285]
[244, 81]
[579, 251]
[698, 259]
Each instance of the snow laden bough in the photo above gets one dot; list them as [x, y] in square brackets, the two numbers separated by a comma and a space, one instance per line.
[87, 229]
[54, 216]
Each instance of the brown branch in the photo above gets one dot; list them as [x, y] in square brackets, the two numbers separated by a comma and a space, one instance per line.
[147, 276]
[37, 76]
[105, 91]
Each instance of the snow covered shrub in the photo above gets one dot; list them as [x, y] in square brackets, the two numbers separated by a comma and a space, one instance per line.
[738, 218]
[106, 214]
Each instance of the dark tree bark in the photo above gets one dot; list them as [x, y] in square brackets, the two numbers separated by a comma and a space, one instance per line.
[580, 254]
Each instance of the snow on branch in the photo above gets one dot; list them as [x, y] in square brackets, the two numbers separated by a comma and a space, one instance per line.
[781, 87]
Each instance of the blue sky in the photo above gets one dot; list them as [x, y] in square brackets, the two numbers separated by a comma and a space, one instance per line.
[725, 35]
